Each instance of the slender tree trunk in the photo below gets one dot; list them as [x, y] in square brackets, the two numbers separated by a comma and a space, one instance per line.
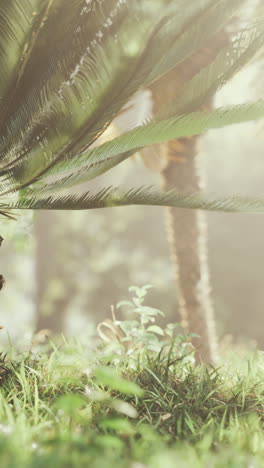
[187, 235]
[187, 229]
[53, 291]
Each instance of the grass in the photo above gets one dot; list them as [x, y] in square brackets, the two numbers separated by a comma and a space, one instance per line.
[135, 401]
[63, 408]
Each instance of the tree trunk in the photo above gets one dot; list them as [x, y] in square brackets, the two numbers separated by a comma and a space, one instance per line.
[187, 235]
[53, 285]
[187, 229]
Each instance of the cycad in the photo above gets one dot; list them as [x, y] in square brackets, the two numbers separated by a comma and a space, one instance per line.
[69, 68]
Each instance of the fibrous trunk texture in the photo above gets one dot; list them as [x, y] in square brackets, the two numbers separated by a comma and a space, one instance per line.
[187, 229]
[187, 235]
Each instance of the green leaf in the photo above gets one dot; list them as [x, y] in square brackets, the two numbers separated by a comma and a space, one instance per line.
[69, 404]
[122, 426]
[107, 441]
[140, 291]
[110, 378]
[125, 408]
[124, 304]
[155, 329]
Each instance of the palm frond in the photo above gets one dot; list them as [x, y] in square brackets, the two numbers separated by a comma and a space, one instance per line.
[95, 162]
[204, 84]
[110, 197]
[210, 79]
[17, 25]
[22, 27]
[71, 103]
[7, 214]
[68, 69]
[81, 92]
[206, 24]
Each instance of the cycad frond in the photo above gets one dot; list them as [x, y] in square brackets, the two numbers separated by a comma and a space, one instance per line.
[110, 197]
[97, 161]
[68, 69]
[210, 79]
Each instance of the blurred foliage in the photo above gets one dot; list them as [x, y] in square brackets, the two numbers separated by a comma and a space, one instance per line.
[100, 256]
[19, 232]
[79, 404]
[139, 330]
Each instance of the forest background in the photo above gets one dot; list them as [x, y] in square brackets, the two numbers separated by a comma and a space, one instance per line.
[65, 269]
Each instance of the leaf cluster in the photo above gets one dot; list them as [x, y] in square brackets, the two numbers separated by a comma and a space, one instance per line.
[68, 70]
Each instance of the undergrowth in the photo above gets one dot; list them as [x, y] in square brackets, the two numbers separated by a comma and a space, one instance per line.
[134, 399]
